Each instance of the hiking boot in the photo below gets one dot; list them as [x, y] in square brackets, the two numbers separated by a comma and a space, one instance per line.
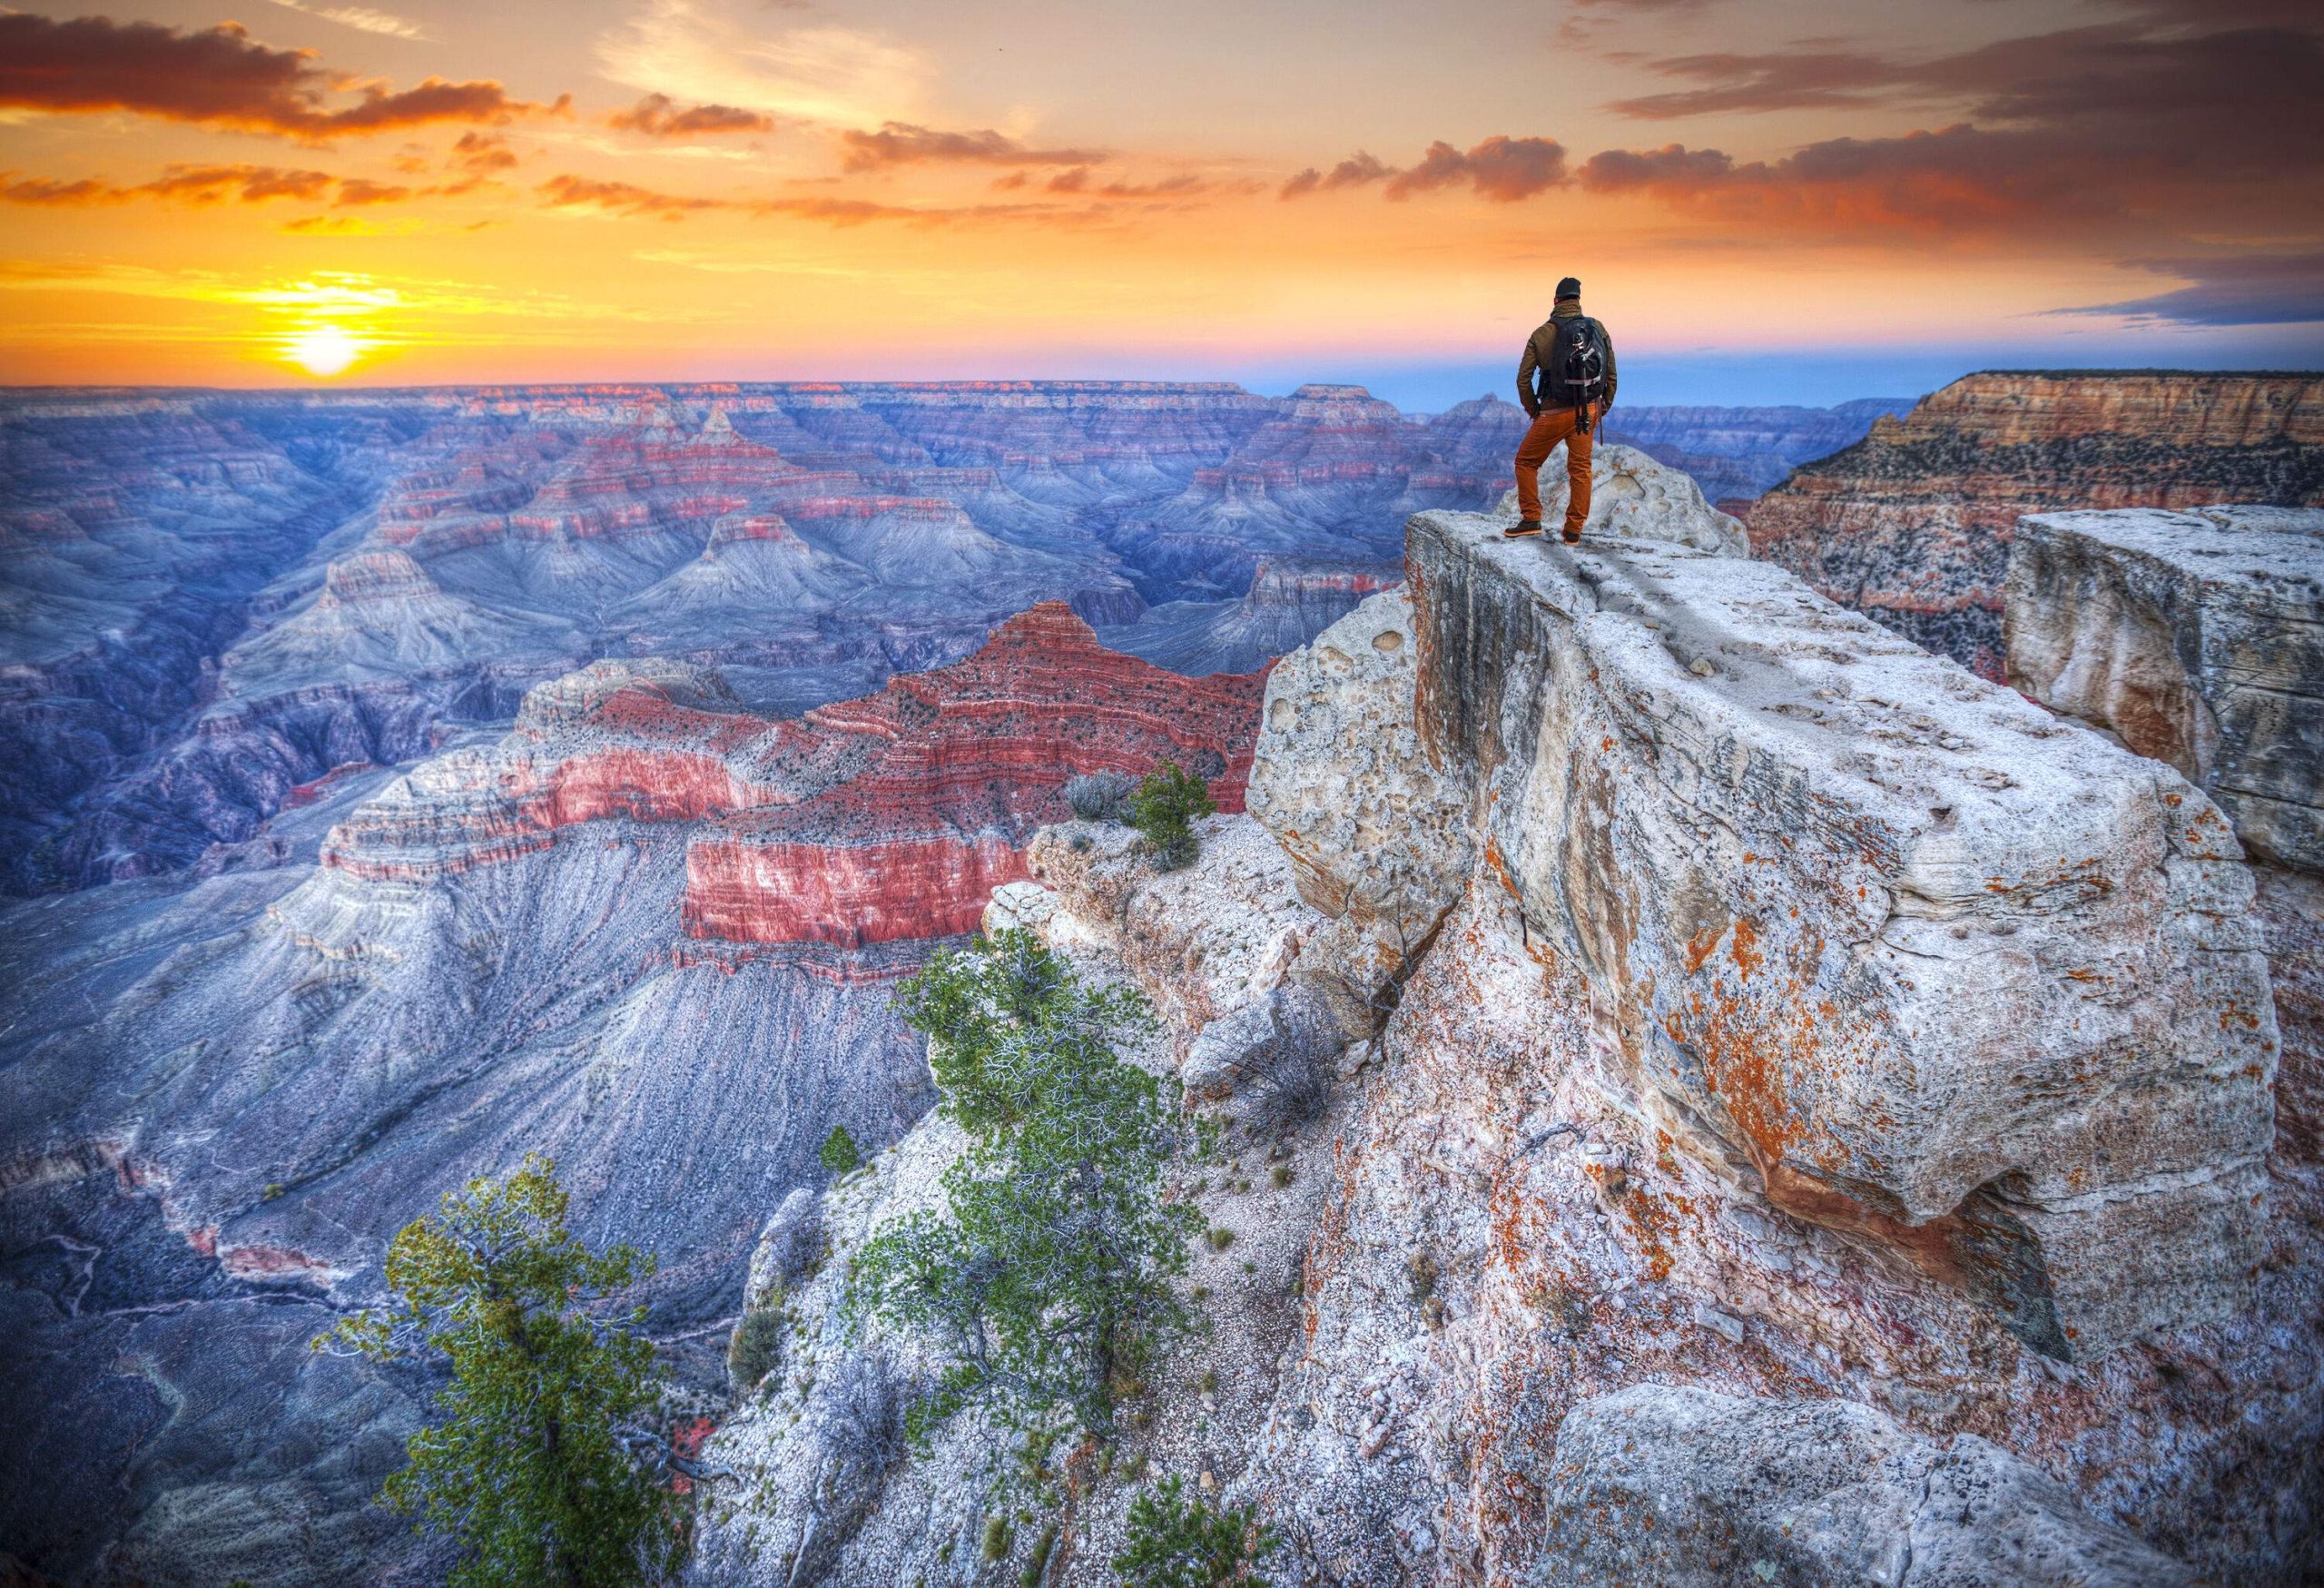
[1569, 537]
[1524, 527]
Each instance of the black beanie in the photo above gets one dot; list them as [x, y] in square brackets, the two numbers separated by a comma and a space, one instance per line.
[1569, 288]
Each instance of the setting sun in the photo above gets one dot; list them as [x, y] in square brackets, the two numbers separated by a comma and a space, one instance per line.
[323, 351]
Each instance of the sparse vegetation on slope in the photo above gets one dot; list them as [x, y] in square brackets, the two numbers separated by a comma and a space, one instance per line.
[1046, 1279]
[543, 1469]
[839, 1153]
[1165, 809]
[1178, 1541]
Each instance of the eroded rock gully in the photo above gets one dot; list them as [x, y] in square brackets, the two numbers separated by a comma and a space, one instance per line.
[1778, 1072]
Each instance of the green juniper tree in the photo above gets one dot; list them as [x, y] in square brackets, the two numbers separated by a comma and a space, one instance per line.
[839, 1153]
[1174, 1542]
[543, 1466]
[1047, 1275]
[1163, 809]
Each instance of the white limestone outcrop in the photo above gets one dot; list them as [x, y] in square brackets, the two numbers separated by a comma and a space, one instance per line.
[2198, 638]
[1674, 1486]
[1922, 961]
[1634, 497]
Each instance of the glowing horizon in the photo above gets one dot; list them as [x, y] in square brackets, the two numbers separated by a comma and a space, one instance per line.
[663, 190]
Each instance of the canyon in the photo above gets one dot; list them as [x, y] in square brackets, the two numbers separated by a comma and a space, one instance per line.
[405, 780]
[211, 601]
[215, 600]
[646, 932]
[1913, 523]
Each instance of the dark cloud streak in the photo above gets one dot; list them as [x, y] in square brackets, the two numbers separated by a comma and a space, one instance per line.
[1502, 169]
[217, 76]
[657, 116]
[2259, 289]
[905, 143]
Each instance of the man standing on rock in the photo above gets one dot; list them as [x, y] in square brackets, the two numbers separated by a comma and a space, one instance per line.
[1575, 359]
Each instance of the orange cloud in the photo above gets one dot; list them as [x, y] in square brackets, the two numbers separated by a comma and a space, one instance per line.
[217, 76]
[903, 144]
[189, 183]
[657, 116]
[622, 198]
[210, 184]
[483, 152]
[1079, 181]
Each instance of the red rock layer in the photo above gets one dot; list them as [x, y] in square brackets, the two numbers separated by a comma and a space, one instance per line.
[846, 895]
[886, 819]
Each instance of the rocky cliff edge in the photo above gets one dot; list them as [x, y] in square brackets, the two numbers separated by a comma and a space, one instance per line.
[1768, 1074]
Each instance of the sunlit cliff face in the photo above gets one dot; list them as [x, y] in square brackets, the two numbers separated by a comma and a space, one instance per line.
[670, 188]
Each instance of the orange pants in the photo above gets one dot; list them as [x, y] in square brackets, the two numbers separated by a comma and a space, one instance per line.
[1551, 427]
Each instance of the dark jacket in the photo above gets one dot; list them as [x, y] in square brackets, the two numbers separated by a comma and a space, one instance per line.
[1538, 348]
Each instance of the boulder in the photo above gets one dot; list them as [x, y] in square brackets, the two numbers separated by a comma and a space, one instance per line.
[2196, 637]
[1634, 497]
[1373, 826]
[1685, 1488]
[1917, 960]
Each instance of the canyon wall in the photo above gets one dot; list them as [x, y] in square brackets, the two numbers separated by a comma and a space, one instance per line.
[1912, 524]
[647, 931]
[1736, 454]
[1793, 1104]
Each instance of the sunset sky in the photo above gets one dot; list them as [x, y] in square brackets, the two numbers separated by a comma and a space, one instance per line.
[1765, 202]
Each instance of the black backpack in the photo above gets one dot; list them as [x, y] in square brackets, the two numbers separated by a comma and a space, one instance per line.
[1575, 371]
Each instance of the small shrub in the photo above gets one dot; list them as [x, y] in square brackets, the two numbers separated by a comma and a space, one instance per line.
[1209, 1381]
[1099, 796]
[1164, 810]
[1420, 1274]
[756, 1347]
[1288, 1081]
[1280, 1175]
[1030, 1577]
[859, 1419]
[273, 1189]
[1174, 1542]
[1220, 1237]
[839, 1154]
[996, 1538]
